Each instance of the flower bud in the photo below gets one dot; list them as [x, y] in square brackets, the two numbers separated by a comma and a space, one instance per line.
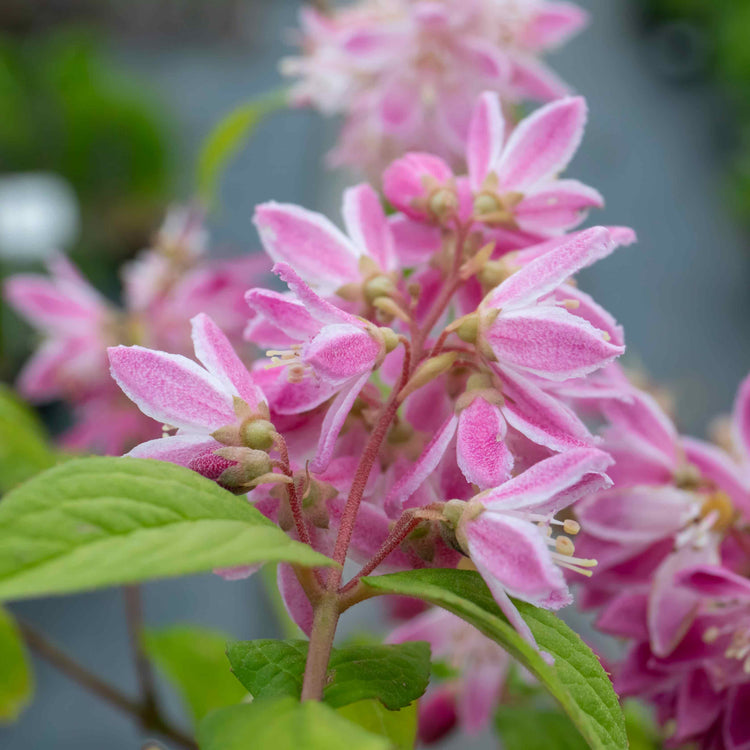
[430, 369]
[421, 186]
[258, 434]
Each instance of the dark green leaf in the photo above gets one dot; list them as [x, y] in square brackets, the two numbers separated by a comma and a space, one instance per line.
[16, 682]
[394, 674]
[399, 727]
[577, 679]
[24, 450]
[104, 521]
[227, 138]
[527, 728]
[284, 724]
[195, 661]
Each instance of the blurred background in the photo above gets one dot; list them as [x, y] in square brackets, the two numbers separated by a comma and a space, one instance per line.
[104, 105]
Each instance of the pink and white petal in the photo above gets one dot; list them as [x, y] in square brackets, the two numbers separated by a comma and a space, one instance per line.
[594, 313]
[741, 419]
[295, 600]
[53, 306]
[481, 693]
[530, 78]
[637, 515]
[368, 226]
[42, 377]
[318, 307]
[292, 398]
[334, 420]
[556, 207]
[736, 728]
[399, 495]
[321, 253]
[550, 342]
[415, 242]
[553, 24]
[216, 354]
[542, 144]
[557, 262]
[283, 312]
[551, 478]
[171, 388]
[540, 417]
[429, 407]
[484, 58]
[340, 352]
[178, 449]
[672, 608]
[513, 553]
[483, 456]
[715, 582]
[485, 141]
[398, 108]
[716, 466]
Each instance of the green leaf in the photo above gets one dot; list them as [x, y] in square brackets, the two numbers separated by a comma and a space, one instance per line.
[227, 138]
[195, 661]
[284, 724]
[16, 681]
[642, 731]
[577, 679]
[527, 728]
[399, 727]
[394, 674]
[104, 521]
[24, 450]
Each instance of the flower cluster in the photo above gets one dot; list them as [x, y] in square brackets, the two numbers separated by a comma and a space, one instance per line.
[162, 287]
[671, 540]
[415, 406]
[405, 74]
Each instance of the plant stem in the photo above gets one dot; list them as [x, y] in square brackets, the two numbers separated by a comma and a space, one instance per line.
[294, 502]
[325, 620]
[144, 673]
[101, 689]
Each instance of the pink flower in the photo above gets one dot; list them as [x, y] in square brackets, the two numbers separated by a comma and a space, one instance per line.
[504, 530]
[406, 74]
[482, 666]
[197, 401]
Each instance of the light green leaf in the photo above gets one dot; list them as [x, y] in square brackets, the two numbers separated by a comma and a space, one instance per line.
[96, 522]
[399, 727]
[641, 727]
[24, 450]
[577, 679]
[195, 661]
[527, 728]
[227, 138]
[284, 724]
[394, 674]
[16, 681]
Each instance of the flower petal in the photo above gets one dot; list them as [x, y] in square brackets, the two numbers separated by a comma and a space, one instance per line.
[741, 419]
[589, 310]
[715, 582]
[321, 253]
[176, 449]
[415, 241]
[532, 79]
[285, 313]
[542, 144]
[334, 420]
[550, 342]
[553, 24]
[483, 456]
[559, 261]
[556, 207]
[216, 354]
[399, 495]
[340, 352]
[368, 226]
[551, 484]
[485, 141]
[295, 600]
[513, 553]
[171, 388]
[542, 418]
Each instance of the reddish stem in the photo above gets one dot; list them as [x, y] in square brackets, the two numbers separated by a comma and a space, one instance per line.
[294, 503]
[403, 527]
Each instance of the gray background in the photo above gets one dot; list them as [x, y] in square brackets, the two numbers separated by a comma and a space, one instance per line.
[654, 150]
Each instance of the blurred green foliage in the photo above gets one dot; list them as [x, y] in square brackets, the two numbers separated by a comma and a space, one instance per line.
[67, 108]
[725, 25]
